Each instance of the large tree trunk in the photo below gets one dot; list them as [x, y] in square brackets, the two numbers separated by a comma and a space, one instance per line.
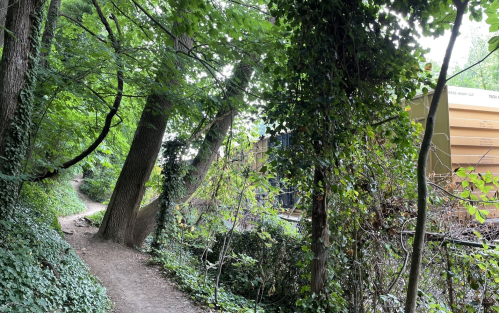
[18, 68]
[49, 31]
[146, 219]
[119, 219]
[320, 235]
[15, 59]
[3, 14]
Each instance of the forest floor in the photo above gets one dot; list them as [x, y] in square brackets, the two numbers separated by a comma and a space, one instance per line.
[131, 283]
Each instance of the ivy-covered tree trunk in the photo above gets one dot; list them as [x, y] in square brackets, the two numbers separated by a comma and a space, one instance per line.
[15, 60]
[3, 14]
[320, 234]
[49, 31]
[146, 219]
[18, 68]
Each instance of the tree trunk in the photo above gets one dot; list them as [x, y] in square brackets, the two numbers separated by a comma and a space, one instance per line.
[119, 219]
[146, 219]
[418, 245]
[49, 31]
[18, 68]
[15, 59]
[320, 235]
[3, 14]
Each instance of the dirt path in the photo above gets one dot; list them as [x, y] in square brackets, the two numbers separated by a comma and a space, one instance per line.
[133, 285]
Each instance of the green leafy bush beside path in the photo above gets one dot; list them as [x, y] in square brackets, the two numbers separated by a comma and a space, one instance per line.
[42, 273]
[58, 196]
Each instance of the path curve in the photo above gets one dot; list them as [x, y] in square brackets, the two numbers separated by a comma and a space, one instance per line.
[132, 284]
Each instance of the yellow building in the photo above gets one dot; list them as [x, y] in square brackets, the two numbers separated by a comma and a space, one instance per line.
[466, 131]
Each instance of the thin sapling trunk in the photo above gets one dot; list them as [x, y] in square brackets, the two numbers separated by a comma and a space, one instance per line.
[418, 245]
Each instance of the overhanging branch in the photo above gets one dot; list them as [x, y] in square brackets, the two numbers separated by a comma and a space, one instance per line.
[113, 110]
[81, 25]
[484, 58]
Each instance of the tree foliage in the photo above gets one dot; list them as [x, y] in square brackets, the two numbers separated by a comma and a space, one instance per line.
[333, 74]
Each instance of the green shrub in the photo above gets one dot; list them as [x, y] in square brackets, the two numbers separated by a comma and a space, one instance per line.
[190, 279]
[99, 184]
[52, 195]
[41, 273]
[269, 257]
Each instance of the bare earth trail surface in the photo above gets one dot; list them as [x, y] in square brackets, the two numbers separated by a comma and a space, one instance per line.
[132, 284]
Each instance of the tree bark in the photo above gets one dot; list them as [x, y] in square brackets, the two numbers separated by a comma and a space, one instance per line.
[418, 245]
[49, 31]
[14, 62]
[146, 218]
[18, 68]
[320, 235]
[4, 4]
[119, 219]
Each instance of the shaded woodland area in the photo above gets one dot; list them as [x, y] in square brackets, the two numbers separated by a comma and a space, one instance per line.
[159, 105]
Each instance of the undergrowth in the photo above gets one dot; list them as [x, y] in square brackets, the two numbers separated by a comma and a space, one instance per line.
[52, 195]
[99, 184]
[97, 217]
[264, 261]
[41, 272]
[190, 279]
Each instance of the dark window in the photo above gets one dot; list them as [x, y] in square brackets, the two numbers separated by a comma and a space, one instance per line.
[288, 195]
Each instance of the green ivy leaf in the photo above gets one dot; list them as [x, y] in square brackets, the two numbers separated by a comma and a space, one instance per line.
[461, 173]
[493, 43]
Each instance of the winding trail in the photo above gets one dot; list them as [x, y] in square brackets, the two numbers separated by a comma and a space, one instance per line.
[132, 284]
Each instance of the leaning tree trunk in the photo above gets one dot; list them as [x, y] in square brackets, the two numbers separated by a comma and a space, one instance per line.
[146, 219]
[49, 31]
[3, 14]
[18, 68]
[119, 221]
[418, 245]
[320, 235]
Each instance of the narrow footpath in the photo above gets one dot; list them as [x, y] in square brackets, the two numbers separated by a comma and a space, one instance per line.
[132, 284]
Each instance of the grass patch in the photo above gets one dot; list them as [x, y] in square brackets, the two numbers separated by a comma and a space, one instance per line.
[97, 217]
[52, 195]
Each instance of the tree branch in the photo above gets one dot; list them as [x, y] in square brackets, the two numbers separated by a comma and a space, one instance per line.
[473, 64]
[442, 238]
[250, 6]
[418, 245]
[385, 121]
[113, 111]
[199, 133]
[81, 25]
[159, 24]
[458, 197]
